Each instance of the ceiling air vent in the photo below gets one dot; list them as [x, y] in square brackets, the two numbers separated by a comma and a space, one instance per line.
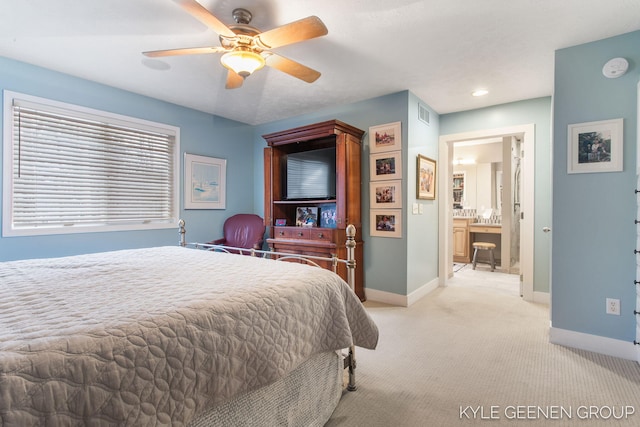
[423, 113]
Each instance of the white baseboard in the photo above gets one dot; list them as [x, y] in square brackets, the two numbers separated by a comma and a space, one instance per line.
[542, 298]
[595, 343]
[422, 291]
[385, 297]
[401, 300]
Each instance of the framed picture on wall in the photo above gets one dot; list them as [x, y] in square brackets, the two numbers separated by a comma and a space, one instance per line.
[204, 182]
[425, 178]
[386, 222]
[385, 194]
[595, 147]
[386, 137]
[385, 166]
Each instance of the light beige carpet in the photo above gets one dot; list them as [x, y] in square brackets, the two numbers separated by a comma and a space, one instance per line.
[475, 353]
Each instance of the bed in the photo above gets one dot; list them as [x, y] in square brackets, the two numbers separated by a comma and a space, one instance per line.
[174, 336]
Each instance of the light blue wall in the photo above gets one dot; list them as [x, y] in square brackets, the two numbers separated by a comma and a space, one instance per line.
[201, 134]
[538, 112]
[594, 234]
[385, 259]
[422, 238]
[397, 266]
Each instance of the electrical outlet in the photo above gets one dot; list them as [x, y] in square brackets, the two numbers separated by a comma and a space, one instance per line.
[613, 306]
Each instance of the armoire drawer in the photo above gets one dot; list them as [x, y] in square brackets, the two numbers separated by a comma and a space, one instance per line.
[303, 233]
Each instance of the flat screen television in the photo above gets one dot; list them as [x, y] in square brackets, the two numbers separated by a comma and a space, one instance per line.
[311, 175]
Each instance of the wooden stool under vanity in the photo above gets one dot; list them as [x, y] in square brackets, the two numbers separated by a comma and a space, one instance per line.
[484, 246]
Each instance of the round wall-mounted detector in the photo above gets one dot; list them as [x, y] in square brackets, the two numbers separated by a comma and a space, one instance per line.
[615, 67]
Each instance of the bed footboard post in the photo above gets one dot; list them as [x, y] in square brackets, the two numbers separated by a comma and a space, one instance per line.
[351, 386]
[351, 260]
[351, 280]
[181, 233]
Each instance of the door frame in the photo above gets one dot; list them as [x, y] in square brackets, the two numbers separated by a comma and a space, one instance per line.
[638, 210]
[445, 207]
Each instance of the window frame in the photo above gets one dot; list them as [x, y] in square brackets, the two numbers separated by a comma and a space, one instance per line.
[8, 230]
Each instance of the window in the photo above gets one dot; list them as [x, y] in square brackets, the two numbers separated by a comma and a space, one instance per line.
[69, 169]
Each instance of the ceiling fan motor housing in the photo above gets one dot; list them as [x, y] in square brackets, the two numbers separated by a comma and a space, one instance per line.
[242, 16]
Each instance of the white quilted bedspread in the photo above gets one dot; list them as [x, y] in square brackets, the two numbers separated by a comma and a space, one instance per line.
[155, 336]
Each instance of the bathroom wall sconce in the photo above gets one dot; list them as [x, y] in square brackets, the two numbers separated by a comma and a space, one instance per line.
[615, 68]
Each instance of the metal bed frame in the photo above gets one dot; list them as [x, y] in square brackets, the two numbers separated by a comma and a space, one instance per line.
[350, 262]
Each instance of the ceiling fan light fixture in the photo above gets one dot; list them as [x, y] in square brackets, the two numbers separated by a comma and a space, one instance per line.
[246, 49]
[242, 62]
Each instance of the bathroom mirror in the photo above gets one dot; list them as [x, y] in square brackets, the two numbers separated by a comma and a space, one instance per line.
[481, 163]
[482, 185]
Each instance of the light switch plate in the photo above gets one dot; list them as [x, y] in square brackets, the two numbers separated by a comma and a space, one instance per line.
[415, 209]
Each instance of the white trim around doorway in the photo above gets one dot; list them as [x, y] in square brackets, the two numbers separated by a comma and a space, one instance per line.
[445, 213]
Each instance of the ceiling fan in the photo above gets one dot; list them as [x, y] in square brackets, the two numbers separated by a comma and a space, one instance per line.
[246, 49]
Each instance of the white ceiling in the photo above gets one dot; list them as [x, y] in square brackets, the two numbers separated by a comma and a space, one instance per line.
[440, 50]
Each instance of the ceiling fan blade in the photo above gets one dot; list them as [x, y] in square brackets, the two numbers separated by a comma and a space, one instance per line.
[184, 51]
[292, 68]
[234, 80]
[206, 17]
[297, 31]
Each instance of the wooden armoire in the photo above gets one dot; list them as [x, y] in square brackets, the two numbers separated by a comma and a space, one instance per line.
[345, 205]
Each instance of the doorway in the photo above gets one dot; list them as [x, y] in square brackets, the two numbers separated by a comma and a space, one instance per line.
[525, 135]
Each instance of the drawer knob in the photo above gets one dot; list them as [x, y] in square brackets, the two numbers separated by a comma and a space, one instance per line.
[282, 233]
[299, 233]
[320, 235]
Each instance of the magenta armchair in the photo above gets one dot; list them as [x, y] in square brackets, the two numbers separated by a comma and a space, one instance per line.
[242, 231]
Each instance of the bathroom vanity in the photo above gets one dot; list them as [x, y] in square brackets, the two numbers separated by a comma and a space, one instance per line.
[466, 231]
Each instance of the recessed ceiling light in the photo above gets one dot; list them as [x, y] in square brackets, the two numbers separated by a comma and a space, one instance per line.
[479, 92]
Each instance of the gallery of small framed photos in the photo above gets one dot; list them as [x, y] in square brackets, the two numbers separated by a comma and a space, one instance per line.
[385, 186]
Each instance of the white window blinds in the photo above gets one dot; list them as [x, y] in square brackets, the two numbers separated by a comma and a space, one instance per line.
[79, 169]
